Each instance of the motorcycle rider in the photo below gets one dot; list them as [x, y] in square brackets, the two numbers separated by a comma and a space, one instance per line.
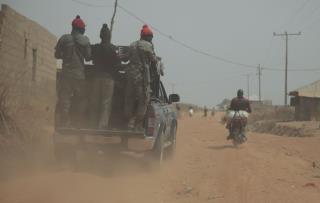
[239, 103]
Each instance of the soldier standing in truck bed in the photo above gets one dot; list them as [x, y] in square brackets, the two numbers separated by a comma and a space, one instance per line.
[72, 49]
[137, 93]
[105, 60]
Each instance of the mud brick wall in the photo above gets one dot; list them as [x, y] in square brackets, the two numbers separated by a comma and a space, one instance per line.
[26, 55]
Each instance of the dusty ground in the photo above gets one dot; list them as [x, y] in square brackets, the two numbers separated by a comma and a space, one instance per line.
[290, 129]
[206, 169]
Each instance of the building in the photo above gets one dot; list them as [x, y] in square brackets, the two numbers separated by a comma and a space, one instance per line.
[27, 63]
[306, 101]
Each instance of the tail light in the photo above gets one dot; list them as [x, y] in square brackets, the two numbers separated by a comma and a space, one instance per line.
[151, 121]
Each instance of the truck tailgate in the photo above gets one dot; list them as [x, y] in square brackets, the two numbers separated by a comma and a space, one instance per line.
[105, 133]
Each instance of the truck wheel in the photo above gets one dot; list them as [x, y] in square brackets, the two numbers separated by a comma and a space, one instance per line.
[158, 150]
[170, 151]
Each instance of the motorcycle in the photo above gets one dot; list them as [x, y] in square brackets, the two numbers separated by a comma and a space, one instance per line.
[237, 127]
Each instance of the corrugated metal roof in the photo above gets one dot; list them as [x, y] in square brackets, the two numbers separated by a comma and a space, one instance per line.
[312, 90]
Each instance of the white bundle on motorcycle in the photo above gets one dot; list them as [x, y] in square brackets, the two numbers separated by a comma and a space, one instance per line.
[236, 114]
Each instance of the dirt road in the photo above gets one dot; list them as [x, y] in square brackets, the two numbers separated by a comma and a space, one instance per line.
[206, 169]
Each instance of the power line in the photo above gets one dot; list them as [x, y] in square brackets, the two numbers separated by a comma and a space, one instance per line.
[205, 53]
[311, 25]
[91, 5]
[296, 13]
[286, 63]
[291, 69]
[198, 51]
[306, 26]
[184, 44]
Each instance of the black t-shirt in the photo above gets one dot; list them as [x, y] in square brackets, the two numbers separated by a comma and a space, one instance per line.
[105, 58]
[240, 103]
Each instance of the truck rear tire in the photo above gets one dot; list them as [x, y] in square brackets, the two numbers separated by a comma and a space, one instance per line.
[159, 150]
[170, 151]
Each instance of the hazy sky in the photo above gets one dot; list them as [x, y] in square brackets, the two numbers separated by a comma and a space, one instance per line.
[239, 30]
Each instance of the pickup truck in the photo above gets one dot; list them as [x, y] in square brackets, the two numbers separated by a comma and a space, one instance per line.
[160, 125]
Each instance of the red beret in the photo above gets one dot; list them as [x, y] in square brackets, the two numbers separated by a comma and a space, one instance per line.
[146, 31]
[78, 22]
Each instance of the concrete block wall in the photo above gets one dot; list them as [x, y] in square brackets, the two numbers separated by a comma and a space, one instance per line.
[19, 38]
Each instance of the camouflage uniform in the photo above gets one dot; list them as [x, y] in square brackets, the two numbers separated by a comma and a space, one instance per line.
[137, 94]
[72, 49]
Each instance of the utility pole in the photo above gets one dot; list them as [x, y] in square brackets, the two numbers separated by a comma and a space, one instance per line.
[259, 77]
[248, 85]
[286, 35]
[113, 16]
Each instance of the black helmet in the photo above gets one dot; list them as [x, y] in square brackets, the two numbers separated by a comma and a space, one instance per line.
[240, 93]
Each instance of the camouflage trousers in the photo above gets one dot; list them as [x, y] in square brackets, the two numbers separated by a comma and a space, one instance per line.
[136, 100]
[71, 102]
[100, 100]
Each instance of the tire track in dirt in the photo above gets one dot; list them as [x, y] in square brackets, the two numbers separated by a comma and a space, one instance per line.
[206, 169]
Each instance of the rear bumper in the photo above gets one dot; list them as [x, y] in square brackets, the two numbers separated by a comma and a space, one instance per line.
[79, 137]
[104, 133]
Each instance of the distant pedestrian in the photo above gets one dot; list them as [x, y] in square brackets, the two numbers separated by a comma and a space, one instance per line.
[205, 111]
[191, 112]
